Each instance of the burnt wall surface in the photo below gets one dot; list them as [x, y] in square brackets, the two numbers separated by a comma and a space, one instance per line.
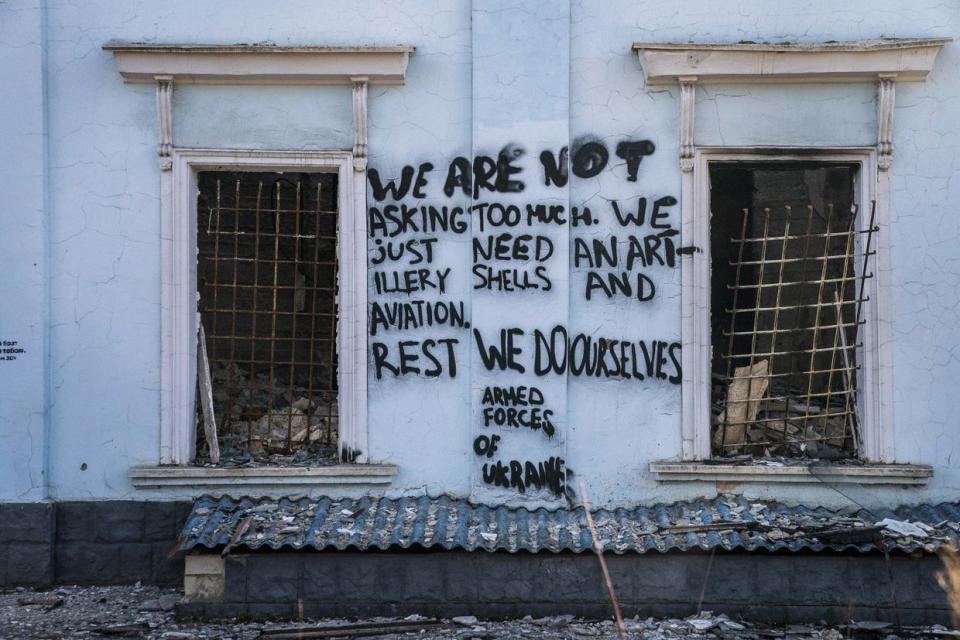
[761, 586]
[90, 542]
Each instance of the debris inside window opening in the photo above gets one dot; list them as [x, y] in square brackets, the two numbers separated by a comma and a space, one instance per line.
[790, 256]
[267, 282]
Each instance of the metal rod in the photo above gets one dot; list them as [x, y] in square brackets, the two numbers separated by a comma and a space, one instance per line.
[839, 319]
[811, 305]
[797, 283]
[815, 235]
[816, 321]
[747, 263]
[826, 326]
[733, 313]
[776, 304]
[855, 421]
[782, 375]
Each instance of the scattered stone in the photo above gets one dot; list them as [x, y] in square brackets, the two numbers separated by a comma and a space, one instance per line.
[904, 528]
[119, 612]
[169, 601]
[51, 602]
[702, 624]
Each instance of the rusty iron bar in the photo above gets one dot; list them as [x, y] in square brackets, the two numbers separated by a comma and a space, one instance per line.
[796, 283]
[733, 314]
[774, 331]
[805, 372]
[796, 351]
[828, 235]
[838, 329]
[748, 263]
[819, 404]
[852, 400]
[776, 304]
[811, 305]
[257, 271]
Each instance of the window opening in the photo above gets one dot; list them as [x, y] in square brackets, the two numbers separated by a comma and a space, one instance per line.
[789, 265]
[267, 282]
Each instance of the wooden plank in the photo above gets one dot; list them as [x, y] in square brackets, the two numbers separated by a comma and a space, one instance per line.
[206, 397]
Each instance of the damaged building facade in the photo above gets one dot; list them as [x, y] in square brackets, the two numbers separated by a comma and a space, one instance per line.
[360, 276]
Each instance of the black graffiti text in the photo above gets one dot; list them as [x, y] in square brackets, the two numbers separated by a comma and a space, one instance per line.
[548, 474]
[431, 357]
[587, 356]
[403, 316]
[396, 219]
[590, 157]
[415, 251]
[502, 356]
[410, 281]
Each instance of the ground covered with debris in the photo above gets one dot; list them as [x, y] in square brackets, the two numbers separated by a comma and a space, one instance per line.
[148, 612]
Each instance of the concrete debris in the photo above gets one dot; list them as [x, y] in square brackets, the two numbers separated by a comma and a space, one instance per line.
[166, 602]
[903, 528]
[51, 602]
[727, 521]
[748, 386]
[702, 624]
[270, 421]
[778, 421]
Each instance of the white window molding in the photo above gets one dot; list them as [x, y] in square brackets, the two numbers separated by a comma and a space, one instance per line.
[180, 319]
[265, 481]
[876, 374]
[908, 59]
[166, 65]
[886, 474]
[140, 62]
[687, 64]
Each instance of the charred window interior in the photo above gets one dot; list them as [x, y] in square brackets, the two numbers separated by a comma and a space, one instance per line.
[267, 279]
[788, 259]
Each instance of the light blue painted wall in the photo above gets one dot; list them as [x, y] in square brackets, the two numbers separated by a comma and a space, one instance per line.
[23, 237]
[96, 302]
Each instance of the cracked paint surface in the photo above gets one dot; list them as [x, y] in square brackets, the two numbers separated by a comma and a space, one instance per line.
[81, 216]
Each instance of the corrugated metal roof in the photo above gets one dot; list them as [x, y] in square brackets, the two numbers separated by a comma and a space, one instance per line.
[448, 523]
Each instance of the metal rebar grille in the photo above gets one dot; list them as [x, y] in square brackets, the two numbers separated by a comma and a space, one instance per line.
[785, 379]
[267, 279]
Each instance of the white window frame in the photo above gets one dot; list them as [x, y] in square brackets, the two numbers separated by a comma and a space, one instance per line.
[165, 65]
[875, 358]
[180, 315]
[686, 65]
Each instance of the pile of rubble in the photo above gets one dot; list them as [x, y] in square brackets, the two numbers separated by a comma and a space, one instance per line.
[260, 421]
[752, 415]
[137, 611]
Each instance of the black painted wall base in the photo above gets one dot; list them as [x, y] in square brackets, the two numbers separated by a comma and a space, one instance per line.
[90, 542]
[760, 586]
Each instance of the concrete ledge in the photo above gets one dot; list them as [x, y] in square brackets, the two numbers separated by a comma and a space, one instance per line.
[889, 474]
[90, 542]
[780, 588]
[260, 480]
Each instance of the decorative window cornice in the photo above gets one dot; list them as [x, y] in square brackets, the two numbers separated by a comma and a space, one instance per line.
[259, 64]
[905, 59]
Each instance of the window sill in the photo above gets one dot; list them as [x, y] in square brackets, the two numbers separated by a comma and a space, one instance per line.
[260, 481]
[889, 474]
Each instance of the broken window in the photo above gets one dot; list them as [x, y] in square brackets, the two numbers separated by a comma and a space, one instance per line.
[267, 280]
[788, 250]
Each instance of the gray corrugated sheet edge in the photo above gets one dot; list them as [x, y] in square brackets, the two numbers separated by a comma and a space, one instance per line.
[454, 523]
